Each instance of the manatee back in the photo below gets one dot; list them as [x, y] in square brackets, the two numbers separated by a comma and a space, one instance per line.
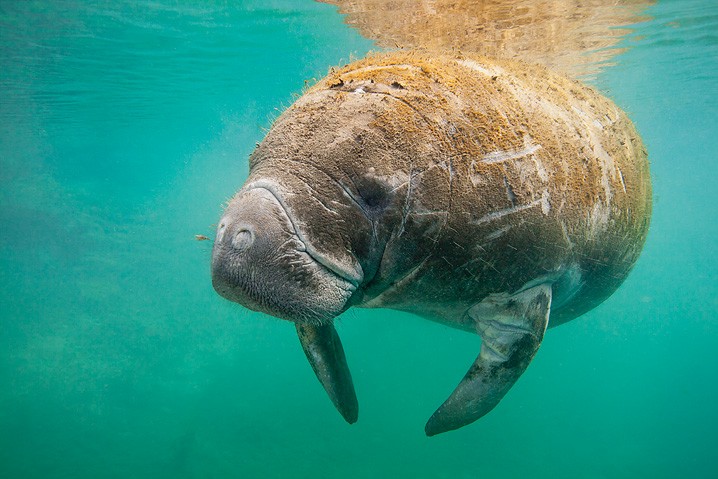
[504, 174]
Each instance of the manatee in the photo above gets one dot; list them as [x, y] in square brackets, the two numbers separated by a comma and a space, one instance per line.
[489, 195]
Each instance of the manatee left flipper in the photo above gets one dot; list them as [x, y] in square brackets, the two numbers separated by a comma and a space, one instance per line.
[511, 329]
[325, 353]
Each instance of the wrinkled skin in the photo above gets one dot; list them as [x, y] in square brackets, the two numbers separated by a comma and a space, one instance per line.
[261, 262]
[490, 196]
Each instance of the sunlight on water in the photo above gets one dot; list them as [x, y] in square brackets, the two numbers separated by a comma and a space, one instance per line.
[123, 129]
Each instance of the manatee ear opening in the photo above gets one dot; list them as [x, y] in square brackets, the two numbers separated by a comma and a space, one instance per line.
[374, 195]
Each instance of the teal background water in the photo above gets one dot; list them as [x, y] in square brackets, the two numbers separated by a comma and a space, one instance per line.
[124, 127]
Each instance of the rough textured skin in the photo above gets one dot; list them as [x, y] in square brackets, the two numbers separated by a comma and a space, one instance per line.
[492, 196]
[500, 173]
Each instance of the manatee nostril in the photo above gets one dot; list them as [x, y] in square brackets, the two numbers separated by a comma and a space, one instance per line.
[242, 239]
[220, 232]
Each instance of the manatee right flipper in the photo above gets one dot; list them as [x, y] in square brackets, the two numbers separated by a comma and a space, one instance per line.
[511, 329]
[325, 353]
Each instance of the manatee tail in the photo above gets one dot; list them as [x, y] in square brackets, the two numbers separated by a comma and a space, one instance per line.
[325, 353]
[511, 329]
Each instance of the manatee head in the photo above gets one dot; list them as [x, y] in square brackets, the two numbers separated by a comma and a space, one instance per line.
[306, 237]
[262, 260]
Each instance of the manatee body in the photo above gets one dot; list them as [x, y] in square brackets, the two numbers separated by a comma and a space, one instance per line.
[492, 196]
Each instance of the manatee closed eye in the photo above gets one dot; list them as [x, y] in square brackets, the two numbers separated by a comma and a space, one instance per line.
[491, 196]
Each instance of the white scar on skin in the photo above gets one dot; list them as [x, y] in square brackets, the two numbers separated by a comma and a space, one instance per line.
[497, 233]
[506, 155]
[486, 70]
[620, 175]
[543, 203]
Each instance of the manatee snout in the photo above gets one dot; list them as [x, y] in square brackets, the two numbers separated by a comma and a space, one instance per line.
[260, 261]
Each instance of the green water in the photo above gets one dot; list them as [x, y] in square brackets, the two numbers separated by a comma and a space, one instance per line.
[124, 127]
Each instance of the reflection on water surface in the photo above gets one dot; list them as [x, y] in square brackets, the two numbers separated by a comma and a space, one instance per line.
[576, 37]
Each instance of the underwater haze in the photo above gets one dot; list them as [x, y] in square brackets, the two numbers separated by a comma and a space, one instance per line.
[125, 126]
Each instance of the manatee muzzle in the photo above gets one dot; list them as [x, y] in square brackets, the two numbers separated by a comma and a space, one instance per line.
[261, 262]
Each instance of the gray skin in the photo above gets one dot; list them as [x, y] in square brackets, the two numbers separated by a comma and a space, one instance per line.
[364, 193]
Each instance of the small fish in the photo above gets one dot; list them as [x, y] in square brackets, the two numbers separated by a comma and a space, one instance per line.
[201, 237]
